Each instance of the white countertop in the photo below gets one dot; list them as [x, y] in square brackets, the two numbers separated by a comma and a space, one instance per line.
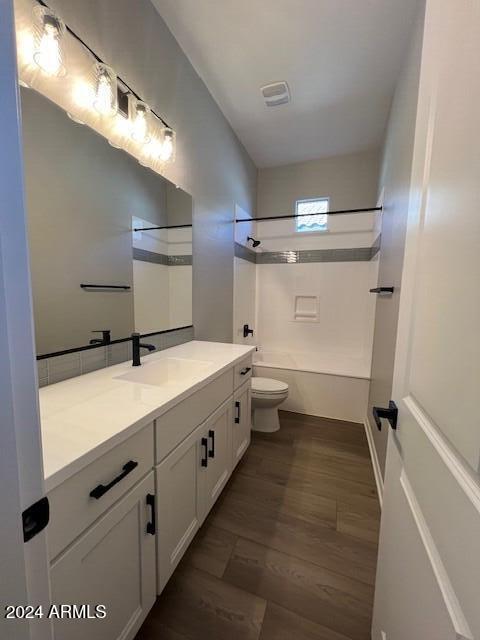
[84, 417]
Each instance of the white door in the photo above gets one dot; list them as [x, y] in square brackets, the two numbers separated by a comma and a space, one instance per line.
[429, 559]
[23, 567]
[180, 501]
[217, 431]
[242, 422]
[113, 565]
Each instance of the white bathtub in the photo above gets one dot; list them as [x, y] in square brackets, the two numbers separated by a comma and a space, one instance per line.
[327, 385]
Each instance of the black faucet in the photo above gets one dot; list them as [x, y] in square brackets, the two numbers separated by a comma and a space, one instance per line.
[136, 346]
[105, 339]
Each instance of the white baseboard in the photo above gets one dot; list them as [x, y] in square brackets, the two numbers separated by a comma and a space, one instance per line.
[375, 463]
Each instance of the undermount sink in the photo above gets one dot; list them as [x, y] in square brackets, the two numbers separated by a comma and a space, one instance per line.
[165, 371]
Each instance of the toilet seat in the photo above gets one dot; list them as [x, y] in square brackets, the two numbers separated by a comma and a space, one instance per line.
[268, 386]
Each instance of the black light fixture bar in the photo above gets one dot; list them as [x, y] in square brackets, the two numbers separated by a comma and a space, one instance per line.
[98, 59]
[301, 215]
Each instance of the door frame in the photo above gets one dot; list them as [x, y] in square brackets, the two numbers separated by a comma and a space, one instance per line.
[24, 567]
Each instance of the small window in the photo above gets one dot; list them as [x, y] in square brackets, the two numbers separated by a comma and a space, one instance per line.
[317, 218]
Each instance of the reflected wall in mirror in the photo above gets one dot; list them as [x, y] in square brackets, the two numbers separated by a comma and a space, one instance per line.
[82, 196]
[162, 268]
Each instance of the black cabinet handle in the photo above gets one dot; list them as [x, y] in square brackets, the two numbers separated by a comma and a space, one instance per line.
[244, 372]
[102, 489]
[152, 525]
[390, 414]
[204, 442]
[237, 412]
[211, 435]
[388, 290]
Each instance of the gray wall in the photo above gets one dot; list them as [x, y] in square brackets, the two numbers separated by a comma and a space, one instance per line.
[350, 181]
[81, 195]
[211, 164]
[395, 179]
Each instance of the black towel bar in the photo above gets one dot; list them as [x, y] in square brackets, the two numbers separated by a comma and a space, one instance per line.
[382, 290]
[114, 287]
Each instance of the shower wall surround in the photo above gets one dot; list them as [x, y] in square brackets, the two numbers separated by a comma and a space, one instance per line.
[312, 288]
[317, 300]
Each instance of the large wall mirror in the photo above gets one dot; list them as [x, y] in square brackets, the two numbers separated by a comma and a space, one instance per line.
[84, 201]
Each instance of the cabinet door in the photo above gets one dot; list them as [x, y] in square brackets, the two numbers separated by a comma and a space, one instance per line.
[242, 422]
[180, 507]
[217, 430]
[111, 564]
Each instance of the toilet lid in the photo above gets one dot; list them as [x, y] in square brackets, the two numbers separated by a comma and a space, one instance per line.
[268, 385]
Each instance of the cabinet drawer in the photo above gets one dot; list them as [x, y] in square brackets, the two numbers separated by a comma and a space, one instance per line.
[242, 372]
[72, 509]
[179, 422]
[113, 564]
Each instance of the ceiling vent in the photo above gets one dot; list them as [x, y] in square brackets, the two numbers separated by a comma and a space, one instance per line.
[276, 94]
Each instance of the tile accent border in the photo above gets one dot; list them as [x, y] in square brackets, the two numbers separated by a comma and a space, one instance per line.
[179, 261]
[149, 256]
[356, 254]
[361, 254]
[160, 258]
[76, 363]
[244, 252]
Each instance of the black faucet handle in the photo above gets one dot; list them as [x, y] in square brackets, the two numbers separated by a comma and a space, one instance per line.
[106, 337]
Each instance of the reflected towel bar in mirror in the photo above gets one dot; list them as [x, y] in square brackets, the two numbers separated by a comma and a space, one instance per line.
[112, 287]
[385, 290]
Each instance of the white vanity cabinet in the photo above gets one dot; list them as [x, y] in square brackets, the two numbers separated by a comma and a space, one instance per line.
[120, 525]
[179, 503]
[217, 464]
[188, 483]
[242, 422]
[112, 564]
[190, 478]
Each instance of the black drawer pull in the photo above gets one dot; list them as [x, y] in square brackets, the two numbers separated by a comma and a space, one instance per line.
[151, 526]
[102, 489]
[211, 435]
[237, 412]
[244, 372]
[205, 452]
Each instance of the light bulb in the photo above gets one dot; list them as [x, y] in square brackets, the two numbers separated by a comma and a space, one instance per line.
[168, 145]
[140, 113]
[106, 100]
[151, 152]
[48, 53]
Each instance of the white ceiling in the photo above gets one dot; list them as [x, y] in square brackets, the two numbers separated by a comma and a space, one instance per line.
[340, 58]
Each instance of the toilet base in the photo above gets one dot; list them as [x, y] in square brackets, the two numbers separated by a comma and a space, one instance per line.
[265, 420]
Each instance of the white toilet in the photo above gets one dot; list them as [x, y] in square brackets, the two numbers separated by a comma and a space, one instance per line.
[267, 394]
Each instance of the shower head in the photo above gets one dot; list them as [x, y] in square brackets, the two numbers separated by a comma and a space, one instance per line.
[255, 243]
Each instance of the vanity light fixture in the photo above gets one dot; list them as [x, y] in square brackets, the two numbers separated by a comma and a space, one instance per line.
[106, 94]
[168, 145]
[48, 35]
[139, 115]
